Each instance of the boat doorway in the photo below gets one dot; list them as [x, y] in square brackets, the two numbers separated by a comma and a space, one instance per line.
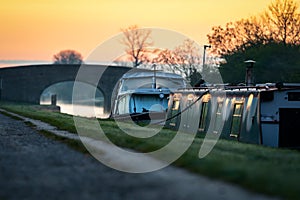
[289, 132]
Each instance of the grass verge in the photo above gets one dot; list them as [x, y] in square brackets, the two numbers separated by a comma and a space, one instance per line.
[261, 169]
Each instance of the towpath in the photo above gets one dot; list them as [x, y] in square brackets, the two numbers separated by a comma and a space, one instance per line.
[35, 167]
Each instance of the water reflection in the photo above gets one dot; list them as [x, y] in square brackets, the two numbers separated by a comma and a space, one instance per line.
[83, 110]
[88, 103]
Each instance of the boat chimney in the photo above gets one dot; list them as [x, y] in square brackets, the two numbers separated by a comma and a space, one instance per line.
[249, 72]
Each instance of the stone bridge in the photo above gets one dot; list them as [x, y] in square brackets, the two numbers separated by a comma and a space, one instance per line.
[26, 83]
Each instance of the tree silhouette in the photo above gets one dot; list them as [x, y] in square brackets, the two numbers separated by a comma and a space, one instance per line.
[238, 36]
[68, 57]
[137, 41]
[280, 23]
[272, 39]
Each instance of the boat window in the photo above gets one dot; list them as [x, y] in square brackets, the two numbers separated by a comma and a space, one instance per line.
[175, 105]
[203, 116]
[140, 103]
[266, 96]
[236, 120]
[218, 119]
[293, 96]
[123, 105]
[174, 111]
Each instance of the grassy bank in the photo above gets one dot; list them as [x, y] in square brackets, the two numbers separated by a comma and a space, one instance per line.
[261, 169]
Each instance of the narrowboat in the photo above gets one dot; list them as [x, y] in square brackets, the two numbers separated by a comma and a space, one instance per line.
[144, 95]
[266, 114]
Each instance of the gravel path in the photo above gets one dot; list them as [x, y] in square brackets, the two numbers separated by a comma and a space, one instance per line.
[35, 167]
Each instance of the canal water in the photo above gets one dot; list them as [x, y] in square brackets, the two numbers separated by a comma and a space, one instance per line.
[83, 110]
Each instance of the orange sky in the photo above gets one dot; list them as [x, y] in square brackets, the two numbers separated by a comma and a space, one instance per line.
[37, 29]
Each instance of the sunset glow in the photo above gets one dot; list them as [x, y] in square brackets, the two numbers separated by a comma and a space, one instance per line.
[35, 30]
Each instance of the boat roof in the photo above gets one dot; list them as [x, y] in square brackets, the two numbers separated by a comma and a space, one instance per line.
[149, 91]
[259, 87]
[144, 74]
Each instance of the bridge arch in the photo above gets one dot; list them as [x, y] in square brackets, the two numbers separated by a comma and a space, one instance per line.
[89, 96]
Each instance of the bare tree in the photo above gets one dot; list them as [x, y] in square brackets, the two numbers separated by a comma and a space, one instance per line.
[188, 57]
[283, 21]
[185, 60]
[167, 60]
[68, 57]
[137, 41]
